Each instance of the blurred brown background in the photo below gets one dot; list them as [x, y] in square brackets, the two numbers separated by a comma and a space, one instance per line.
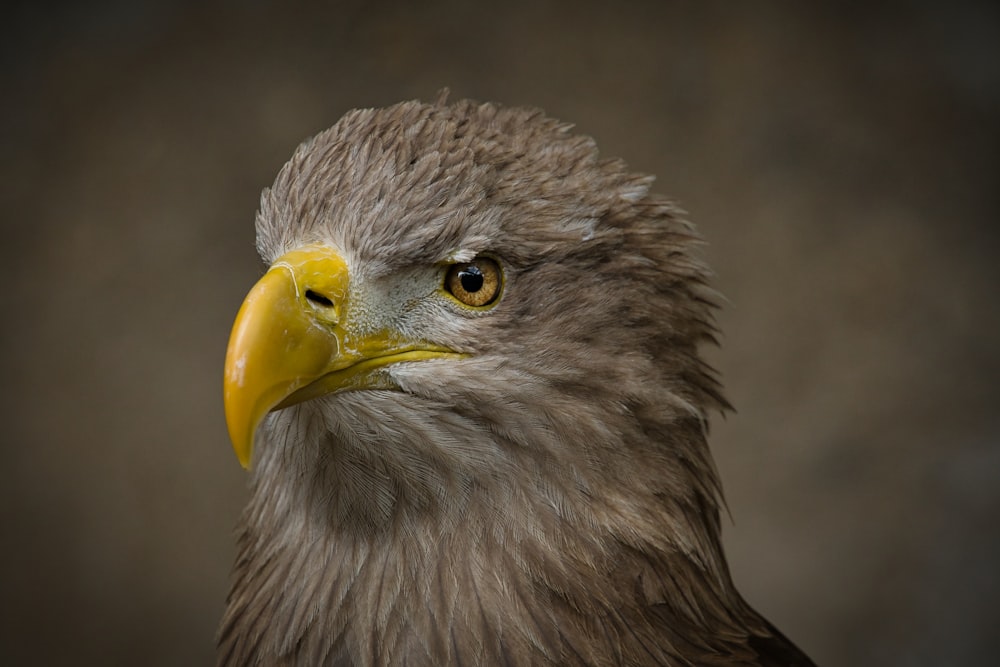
[842, 161]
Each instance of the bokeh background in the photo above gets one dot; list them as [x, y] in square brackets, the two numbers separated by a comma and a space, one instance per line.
[841, 159]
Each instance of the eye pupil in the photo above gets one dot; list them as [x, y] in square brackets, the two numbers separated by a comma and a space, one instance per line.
[471, 279]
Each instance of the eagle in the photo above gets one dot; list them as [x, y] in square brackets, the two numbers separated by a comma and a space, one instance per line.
[469, 393]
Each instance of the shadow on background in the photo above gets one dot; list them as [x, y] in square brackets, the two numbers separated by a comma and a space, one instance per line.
[842, 163]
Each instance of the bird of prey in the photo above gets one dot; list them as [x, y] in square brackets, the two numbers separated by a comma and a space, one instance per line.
[469, 394]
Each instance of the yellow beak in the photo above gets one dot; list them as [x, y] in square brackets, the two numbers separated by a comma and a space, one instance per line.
[292, 341]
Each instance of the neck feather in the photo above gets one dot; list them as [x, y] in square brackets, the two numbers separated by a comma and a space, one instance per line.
[531, 568]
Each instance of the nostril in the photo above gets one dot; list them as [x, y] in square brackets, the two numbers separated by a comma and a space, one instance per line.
[318, 298]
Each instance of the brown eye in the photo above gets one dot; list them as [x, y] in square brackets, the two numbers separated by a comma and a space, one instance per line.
[476, 283]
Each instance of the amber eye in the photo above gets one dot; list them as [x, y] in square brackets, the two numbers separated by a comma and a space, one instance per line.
[476, 283]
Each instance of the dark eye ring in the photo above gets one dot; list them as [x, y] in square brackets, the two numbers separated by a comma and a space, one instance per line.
[476, 283]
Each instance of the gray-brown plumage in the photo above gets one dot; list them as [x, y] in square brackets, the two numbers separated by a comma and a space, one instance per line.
[524, 481]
